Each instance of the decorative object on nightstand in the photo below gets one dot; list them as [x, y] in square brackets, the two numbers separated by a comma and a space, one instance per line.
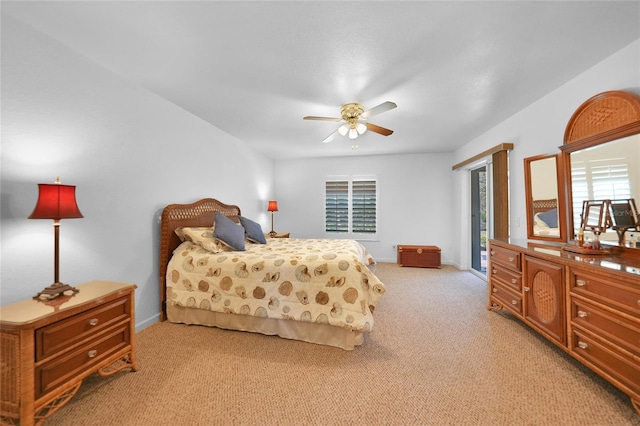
[280, 235]
[50, 346]
[56, 201]
[272, 207]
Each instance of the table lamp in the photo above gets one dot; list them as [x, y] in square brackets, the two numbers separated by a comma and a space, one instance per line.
[56, 201]
[273, 207]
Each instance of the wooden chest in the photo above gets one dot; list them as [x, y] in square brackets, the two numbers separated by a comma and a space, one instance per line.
[419, 256]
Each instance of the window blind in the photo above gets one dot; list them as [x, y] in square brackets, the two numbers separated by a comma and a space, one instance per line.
[337, 206]
[364, 206]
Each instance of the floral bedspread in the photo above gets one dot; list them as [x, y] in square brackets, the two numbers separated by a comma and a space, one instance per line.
[314, 280]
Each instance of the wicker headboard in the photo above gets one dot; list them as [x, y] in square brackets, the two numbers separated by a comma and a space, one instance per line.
[540, 206]
[176, 216]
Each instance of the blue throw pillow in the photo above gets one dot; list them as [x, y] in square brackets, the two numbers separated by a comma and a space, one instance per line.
[550, 217]
[228, 232]
[253, 231]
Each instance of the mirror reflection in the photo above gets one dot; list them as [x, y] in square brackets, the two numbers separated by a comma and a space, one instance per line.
[542, 177]
[609, 171]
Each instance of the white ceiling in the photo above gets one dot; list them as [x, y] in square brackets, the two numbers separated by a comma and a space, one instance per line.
[254, 69]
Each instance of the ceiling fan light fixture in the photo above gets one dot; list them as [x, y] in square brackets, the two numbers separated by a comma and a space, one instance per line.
[353, 133]
[361, 128]
[343, 129]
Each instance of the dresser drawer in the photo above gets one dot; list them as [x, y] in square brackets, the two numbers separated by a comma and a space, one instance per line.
[56, 372]
[615, 364]
[63, 334]
[507, 277]
[507, 298]
[509, 258]
[603, 289]
[608, 325]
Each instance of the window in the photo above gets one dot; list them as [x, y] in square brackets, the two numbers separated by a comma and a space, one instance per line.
[351, 205]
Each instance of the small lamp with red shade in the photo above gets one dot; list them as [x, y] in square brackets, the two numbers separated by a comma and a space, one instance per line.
[56, 201]
[272, 207]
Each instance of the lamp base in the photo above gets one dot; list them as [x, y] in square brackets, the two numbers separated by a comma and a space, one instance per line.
[55, 290]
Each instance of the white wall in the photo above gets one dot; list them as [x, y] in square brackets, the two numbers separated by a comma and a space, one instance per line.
[129, 152]
[538, 129]
[415, 199]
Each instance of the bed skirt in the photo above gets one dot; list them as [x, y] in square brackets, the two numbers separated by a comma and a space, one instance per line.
[322, 334]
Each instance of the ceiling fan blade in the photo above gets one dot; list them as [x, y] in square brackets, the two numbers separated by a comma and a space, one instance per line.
[383, 107]
[330, 137]
[378, 129]
[311, 117]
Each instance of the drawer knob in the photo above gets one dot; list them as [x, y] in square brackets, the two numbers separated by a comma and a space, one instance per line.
[495, 290]
[494, 272]
[527, 289]
[92, 353]
[511, 258]
[493, 253]
[514, 302]
[582, 345]
[93, 321]
[419, 251]
[513, 280]
[582, 314]
[581, 283]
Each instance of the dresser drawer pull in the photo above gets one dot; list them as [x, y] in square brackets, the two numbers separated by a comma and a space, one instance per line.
[511, 258]
[494, 272]
[581, 283]
[92, 353]
[93, 321]
[582, 314]
[495, 290]
[513, 280]
[493, 253]
[582, 345]
[526, 289]
[514, 302]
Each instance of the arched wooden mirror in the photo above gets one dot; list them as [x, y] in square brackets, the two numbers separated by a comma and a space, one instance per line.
[545, 199]
[602, 157]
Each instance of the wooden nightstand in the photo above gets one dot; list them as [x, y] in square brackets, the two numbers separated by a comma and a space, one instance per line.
[49, 346]
[278, 235]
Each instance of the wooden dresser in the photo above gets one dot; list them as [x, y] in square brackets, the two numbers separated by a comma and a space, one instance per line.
[587, 305]
[49, 347]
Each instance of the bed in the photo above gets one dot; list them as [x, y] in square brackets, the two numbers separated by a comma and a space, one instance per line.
[315, 290]
[545, 218]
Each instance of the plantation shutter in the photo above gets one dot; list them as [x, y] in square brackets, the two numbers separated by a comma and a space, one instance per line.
[337, 206]
[364, 206]
[611, 181]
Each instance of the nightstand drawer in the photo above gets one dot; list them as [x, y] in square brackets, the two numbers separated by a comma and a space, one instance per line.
[64, 334]
[62, 369]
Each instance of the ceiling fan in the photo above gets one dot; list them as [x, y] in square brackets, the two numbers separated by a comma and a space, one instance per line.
[355, 117]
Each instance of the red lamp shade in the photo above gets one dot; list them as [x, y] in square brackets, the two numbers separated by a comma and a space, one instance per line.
[273, 206]
[56, 202]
